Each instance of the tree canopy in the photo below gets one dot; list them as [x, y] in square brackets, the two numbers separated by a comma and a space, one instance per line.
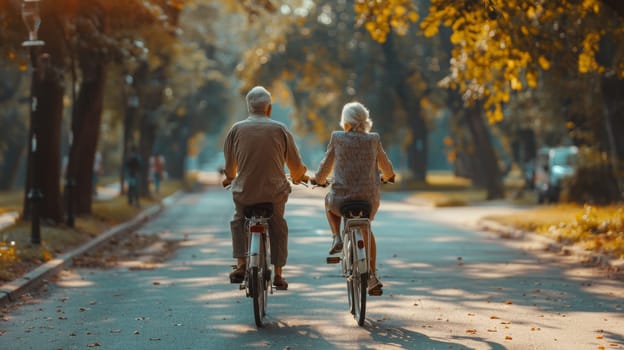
[500, 47]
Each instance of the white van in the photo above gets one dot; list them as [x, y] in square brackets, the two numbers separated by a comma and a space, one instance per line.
[552, 166]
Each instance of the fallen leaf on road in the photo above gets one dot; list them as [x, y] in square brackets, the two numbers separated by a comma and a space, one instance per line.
[471, 331]
[508, 337]
[94, 345]
[493, 317]
[508, 302]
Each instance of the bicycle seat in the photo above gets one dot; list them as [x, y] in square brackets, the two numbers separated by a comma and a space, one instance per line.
[264, 210]
[355, 208]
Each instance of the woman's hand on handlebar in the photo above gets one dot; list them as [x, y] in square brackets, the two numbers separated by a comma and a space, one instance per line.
[315, 183]
[388, 181]
[226, 182]
[303, 180]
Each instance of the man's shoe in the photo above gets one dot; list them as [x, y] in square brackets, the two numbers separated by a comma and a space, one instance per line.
[238, 275]
[336, 245]
[374, 286]
[280, 283]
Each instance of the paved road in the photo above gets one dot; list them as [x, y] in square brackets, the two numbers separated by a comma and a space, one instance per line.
[447, 286]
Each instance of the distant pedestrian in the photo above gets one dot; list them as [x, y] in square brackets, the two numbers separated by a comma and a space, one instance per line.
[97, 171]
[132, 170]
[157, 168]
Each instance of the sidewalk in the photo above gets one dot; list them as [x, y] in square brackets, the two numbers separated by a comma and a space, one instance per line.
[11, 291]
[8, 219]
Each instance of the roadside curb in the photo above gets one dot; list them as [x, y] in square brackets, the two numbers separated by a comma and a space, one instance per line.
[615, 267]
[11, 291]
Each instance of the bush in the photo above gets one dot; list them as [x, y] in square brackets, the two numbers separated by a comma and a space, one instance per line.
[592, 183]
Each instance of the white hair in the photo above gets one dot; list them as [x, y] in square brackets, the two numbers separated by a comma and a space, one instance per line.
[258, 99]
[356, 117]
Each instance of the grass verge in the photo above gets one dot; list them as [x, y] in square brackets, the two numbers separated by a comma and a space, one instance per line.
[595, 228]
[18, 255]
[443, 189]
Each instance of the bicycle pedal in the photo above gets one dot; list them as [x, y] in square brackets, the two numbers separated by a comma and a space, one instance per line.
[333, 259]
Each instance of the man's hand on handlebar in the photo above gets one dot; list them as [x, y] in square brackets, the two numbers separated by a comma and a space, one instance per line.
[303, 180]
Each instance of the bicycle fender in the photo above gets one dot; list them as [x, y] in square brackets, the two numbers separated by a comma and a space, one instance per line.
[361, 250]
[254, 249]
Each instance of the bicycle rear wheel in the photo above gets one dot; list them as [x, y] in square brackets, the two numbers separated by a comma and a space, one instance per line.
[357, 283]
[258, 294]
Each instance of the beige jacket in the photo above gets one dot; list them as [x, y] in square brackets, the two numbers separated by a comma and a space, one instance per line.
[356, 159]
[256, 150]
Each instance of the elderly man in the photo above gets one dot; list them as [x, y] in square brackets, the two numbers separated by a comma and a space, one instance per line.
[256, 150]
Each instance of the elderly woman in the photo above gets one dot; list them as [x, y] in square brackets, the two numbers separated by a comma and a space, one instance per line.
[356, 156]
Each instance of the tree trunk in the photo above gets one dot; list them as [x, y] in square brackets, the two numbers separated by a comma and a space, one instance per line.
[489, 170]
[397, 75]
[85, 127]
[87, 116]
[613, 97]
[417, 151]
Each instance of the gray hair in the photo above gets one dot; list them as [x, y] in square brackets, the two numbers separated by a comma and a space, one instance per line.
[258, 99]
[356, 116]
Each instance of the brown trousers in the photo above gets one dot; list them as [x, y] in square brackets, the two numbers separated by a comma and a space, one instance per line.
[278, 233]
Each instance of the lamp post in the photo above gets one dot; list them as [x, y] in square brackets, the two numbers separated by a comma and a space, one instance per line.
[32, 19]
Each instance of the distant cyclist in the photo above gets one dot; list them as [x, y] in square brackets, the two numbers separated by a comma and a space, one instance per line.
[256, 150]
[356, 157]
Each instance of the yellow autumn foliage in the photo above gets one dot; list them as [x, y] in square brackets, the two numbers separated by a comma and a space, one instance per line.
[499, 41]
[379, 18]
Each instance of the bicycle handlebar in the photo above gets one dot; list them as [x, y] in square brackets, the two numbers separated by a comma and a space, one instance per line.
[328, 182]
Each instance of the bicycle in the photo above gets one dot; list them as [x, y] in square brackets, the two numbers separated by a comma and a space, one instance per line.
[355, 255]
[258, 280]
[258, 276]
